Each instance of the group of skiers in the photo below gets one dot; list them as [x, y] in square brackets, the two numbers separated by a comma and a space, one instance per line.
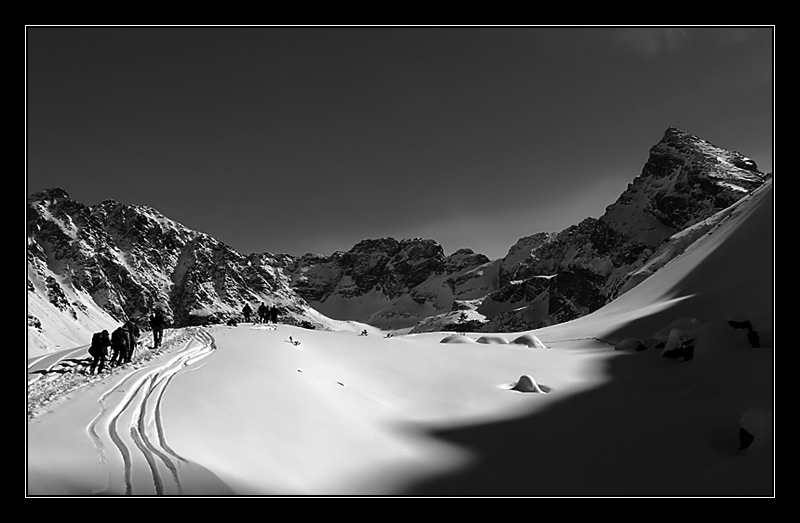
[265, 314]
[122, 342]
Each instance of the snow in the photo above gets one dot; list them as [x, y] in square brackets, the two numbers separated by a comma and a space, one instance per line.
[60, 331]
[240, 411]
[529, 340]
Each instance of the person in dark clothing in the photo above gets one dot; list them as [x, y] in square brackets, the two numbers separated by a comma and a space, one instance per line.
[133, 339]
[274, 314]
[263, 313]
[99, 351]
[119, 345]
[157, 323]
[247, 311]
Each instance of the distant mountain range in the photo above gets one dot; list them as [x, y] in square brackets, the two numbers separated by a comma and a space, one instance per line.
[91, 267]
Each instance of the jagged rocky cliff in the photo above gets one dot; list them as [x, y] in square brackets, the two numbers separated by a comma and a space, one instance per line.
[546, 278]
[100, 265]
[93, 266]
[388, 283]
[552, 278]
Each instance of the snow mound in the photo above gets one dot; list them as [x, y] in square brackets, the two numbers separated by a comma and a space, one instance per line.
[492, 340]
[528, 384]
[681, 328]
[530, 340]
[457, 338]
[756, 428]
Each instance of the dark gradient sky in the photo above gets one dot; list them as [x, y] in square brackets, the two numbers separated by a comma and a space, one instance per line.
[310, 139]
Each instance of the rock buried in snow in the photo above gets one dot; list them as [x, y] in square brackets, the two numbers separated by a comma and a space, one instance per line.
[457, 339]
[683, 351]
[530, 340]
[630, 344]
[680, 344]
[755, 427]
[752, 336]
[686, 327]
[745, 438]
[744, 324]
[492, 339]
[527, 384]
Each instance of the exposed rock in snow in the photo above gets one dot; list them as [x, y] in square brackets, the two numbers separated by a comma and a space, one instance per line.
[630, 344]
[756, 428]
[684, 349]
[528, 384]
[752, 335]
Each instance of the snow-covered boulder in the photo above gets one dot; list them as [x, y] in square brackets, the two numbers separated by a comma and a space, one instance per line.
[457, 338]
[492, 340]
[756, 428]
[530, 340]
[528, 384]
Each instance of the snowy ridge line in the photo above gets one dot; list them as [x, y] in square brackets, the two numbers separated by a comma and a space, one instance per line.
[144, 461]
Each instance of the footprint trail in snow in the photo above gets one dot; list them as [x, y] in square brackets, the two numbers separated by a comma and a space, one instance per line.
[128, 431]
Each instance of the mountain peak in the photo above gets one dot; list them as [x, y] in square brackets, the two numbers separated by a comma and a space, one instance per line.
[674, 132]
[124, 258]
[681, 143]
[53, 193]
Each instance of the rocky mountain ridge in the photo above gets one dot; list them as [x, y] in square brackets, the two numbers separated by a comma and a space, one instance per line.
[552, 278]
[110, 262]
[546, 278]
[98, 266]
[386, 282]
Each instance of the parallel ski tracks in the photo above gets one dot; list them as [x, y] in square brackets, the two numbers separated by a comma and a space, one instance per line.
[128, 431]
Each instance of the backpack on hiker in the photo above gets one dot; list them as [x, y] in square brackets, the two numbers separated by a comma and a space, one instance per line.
[119, 338]
[96, 347]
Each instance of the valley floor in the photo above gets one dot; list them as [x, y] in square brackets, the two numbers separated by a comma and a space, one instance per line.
[242, 411]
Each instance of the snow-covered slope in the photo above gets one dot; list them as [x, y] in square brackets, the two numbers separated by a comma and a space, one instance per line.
[243, 411]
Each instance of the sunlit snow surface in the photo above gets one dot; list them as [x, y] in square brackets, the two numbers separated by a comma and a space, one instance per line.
[242, 411]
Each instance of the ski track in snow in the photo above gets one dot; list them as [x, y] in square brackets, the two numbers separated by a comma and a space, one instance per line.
[128, 432]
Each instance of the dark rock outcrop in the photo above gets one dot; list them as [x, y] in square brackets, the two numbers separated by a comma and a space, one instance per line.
[685, 180]
[125, 259]
[385, 281]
